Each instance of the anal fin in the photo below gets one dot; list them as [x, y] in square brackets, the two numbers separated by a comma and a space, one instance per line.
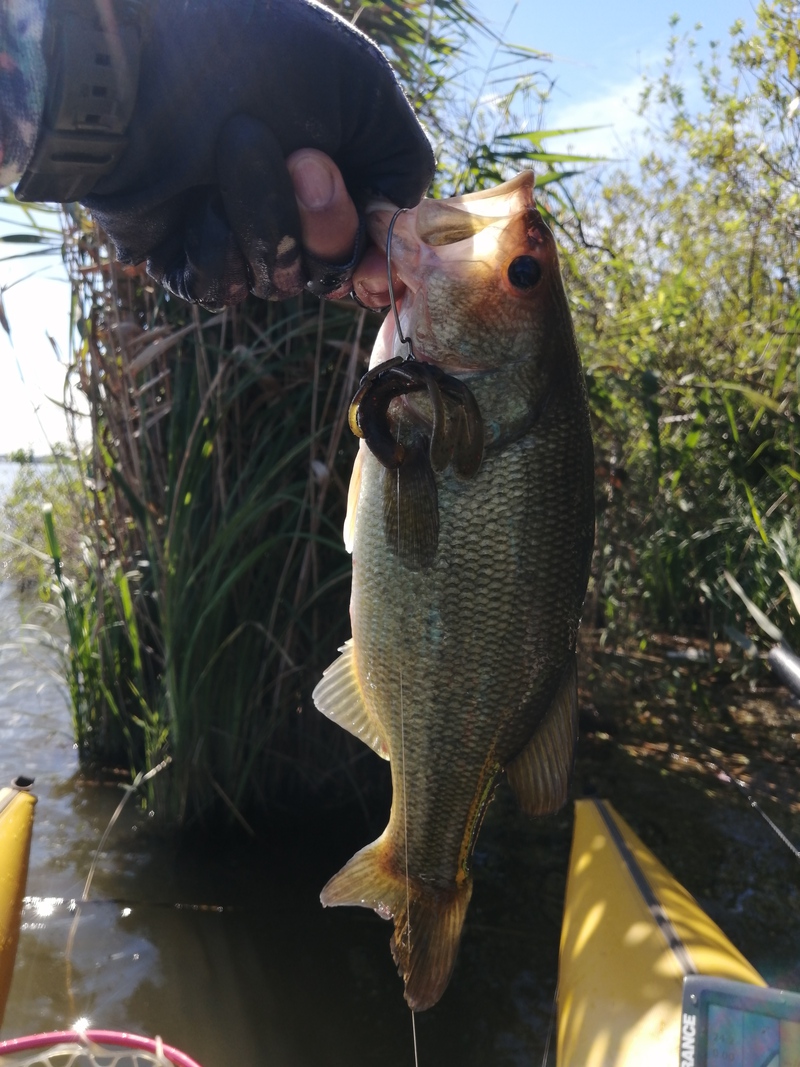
[541, 773]
[427, 919]
[338, 695]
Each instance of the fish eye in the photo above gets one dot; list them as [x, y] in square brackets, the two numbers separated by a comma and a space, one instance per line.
[524, 272]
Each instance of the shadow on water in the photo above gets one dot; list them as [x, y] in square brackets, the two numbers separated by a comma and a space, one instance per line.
[221, 945]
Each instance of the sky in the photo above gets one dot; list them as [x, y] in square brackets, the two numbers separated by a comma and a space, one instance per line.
[30, 373]
[600, 52]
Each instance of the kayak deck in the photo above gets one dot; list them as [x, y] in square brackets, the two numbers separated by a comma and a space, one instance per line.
[631, 934]
[16, 824]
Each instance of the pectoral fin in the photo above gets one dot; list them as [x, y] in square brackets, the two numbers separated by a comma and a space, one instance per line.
[411, 509]
[338, 695]
[540, 774]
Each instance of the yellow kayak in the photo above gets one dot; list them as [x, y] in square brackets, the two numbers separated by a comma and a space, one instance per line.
[16, 823]
[630, 937]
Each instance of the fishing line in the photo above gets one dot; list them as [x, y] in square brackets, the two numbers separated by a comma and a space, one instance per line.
[392, 300]
[546, 1055]
[405, 808]
[129, 790]
[405, 835]
[406, 341]
[405, 797]
[755, 806]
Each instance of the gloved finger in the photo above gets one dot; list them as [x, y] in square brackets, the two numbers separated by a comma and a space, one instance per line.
[136, 230]
[334, 280]
[260, 206]
[332, 232]
[203, 263]
[383, 149]
[396, 162]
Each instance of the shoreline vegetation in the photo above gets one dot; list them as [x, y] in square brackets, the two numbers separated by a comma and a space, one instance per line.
[58, 483]
[199, 564]
[58, 454]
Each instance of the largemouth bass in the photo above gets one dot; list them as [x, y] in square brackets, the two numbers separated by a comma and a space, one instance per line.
[467, 586]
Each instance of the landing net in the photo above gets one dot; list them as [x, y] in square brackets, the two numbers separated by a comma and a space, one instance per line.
[94, 1048]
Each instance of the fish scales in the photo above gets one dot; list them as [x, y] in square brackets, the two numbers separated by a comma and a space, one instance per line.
[465, 666]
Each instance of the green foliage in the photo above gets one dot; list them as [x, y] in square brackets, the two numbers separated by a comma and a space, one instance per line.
[97, 657]
[21, 455]
[485, 120]
[685, 282]
[40, 234]
[241, 572]
[61, 486]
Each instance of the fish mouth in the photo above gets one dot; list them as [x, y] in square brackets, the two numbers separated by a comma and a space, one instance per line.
[427, 235]
[449, 237]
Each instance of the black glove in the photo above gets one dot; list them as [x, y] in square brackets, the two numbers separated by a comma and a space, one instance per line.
[227, 90]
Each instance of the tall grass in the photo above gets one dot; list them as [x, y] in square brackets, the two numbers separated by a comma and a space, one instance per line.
[95, 654]
[221, 466]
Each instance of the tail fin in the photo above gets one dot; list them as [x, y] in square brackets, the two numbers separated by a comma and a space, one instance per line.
[427, 920]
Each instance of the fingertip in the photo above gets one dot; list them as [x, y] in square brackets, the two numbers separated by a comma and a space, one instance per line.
[202, 264]
[328, 216]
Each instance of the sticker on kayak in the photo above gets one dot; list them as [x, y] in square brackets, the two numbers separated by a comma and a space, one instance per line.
[732, 1024]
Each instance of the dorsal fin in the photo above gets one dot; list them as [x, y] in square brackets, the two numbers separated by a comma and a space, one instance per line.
[541, 773]
[338, 695]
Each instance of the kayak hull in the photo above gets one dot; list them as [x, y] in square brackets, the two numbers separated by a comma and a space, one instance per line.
[631, 933]
[16, 825]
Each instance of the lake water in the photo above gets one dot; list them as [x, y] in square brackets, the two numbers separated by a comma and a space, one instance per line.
[221, 946]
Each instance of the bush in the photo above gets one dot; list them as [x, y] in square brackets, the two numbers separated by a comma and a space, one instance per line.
[36, 484]
[685, 282]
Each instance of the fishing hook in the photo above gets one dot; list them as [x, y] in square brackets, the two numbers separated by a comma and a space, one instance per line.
[393, 302]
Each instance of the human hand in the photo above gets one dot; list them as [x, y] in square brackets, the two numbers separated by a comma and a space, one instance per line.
[241, 125]
[329, 224]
